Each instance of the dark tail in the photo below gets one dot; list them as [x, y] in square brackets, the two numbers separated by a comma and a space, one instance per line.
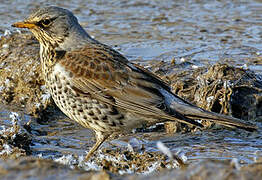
[192, 112]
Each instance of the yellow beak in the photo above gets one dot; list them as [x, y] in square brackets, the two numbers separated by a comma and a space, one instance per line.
[24, 25]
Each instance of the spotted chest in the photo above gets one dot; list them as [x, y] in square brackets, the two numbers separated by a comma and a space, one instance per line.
[84, 109]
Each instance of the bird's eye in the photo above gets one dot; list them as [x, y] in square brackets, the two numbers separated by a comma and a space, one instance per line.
[46, 22]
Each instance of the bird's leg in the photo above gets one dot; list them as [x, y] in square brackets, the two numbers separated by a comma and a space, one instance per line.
[100, 138]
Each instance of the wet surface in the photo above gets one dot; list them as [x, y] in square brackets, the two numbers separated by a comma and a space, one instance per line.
[156, 34]
[204, 32]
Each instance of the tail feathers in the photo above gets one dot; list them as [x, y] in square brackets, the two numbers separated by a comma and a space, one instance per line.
[192, 112]
[187, 120]
[226, 121]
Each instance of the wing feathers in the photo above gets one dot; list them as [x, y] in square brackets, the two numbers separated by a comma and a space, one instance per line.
[107, 76]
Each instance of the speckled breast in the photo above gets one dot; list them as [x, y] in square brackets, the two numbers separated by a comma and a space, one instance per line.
[82, 108]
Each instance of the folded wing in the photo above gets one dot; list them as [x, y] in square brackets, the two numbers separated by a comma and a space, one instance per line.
[109, 77]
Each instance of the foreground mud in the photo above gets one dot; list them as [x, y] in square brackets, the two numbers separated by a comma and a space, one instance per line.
[30, 168]
[14, 140]
[212, 170]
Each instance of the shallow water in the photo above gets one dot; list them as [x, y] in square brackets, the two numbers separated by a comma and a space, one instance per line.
[201, 32]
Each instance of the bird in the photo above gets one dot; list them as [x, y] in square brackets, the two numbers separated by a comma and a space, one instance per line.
[98, 87]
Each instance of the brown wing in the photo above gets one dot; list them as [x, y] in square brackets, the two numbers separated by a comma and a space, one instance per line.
[106, 75]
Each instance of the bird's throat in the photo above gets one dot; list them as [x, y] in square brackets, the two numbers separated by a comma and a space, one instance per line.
[47, 57]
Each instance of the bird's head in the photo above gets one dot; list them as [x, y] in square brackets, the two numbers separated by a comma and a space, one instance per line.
[51, 25]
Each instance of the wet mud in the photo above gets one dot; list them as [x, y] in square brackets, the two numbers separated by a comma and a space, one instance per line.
[209, 58]
[27, 168]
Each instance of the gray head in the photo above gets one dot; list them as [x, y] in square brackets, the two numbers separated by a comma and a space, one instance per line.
[54, 26]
